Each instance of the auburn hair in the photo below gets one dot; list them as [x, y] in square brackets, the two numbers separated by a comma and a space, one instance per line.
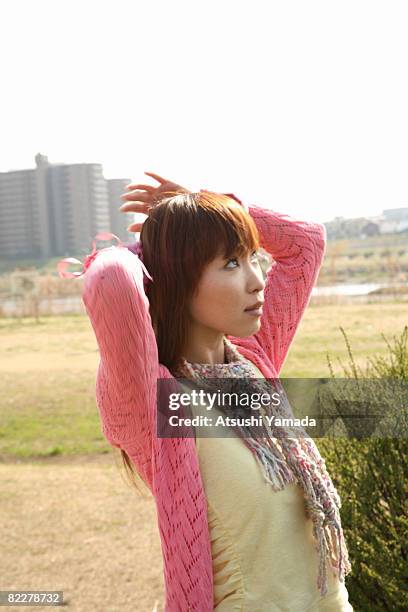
[181, 235]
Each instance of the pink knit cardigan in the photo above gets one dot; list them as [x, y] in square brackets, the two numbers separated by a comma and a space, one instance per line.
[118, 308]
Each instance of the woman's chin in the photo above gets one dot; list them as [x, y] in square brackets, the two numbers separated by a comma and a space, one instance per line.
[244, 332]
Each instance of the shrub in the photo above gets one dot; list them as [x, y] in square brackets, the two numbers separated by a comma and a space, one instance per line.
[371, 475]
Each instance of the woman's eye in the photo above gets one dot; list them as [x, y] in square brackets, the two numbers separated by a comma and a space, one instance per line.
[254, 258]
[233, 259]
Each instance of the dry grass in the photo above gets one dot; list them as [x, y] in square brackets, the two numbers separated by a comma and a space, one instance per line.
[76, 526]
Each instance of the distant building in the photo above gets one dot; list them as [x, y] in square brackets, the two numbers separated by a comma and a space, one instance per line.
[22, 228]
[57, 209]
[393, 226]
[396, 214]
[78, 205]
[391, 221]
[119, 221]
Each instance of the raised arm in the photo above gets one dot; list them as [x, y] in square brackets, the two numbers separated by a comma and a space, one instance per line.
[297, 248]
[118, 308]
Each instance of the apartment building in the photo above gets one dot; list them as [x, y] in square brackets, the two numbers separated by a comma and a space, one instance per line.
[57, 209]
[119, 221]
[23, 220]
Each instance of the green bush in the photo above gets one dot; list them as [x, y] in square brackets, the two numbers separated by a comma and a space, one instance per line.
[371, 476]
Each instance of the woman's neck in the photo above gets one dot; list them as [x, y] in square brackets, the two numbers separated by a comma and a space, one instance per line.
[205, 347]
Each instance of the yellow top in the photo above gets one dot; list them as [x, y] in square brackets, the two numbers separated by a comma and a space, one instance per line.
[263, 550]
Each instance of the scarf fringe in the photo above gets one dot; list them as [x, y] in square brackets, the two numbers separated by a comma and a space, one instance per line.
[275, 469]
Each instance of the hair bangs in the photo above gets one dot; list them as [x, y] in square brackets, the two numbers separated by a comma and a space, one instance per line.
[230, 229]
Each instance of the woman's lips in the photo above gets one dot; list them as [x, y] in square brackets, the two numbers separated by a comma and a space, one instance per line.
[255, 312]
[256, 309]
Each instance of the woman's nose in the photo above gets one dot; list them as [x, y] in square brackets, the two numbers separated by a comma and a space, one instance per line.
[256, 281]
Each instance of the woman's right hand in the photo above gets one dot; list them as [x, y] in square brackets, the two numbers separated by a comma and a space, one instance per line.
[141, 198]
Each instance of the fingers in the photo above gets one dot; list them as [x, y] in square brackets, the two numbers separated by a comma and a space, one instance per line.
[135, 227]
[157, 177]
[139, 198]
[149, 188]
[138, 207]
[136, 196]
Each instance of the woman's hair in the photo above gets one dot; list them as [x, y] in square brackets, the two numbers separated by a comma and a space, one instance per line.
[180, 237]
[182, 234]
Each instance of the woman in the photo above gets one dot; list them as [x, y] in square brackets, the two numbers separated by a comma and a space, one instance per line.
[245, 523]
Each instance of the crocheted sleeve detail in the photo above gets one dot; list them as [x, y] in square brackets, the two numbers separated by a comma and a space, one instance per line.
[297, 248]
[118, 309]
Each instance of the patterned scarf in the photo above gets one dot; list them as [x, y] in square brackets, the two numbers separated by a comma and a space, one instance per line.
[285, 454]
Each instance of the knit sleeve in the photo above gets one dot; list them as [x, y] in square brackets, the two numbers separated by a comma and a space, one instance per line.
[297, 248]
[118, 309]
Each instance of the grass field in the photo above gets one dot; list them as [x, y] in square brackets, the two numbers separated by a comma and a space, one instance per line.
[76, 527]
[71, 522]
[48, 372]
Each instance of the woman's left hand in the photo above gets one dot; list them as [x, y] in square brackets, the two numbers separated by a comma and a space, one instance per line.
[142, 198]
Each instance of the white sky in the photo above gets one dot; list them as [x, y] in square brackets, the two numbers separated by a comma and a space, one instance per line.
[300, 106]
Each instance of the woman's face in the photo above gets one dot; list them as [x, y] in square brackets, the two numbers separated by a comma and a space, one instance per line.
[227, 288]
